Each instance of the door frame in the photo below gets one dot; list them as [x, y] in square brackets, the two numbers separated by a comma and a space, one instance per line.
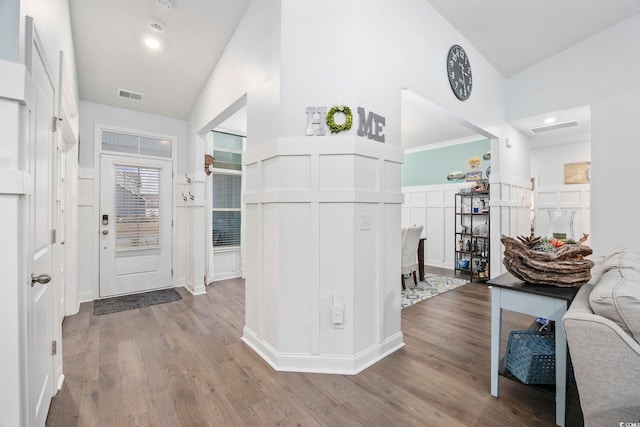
[112, 284]
[33, 47]
[98, 128]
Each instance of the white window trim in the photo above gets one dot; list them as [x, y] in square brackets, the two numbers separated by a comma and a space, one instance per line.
[211, 251]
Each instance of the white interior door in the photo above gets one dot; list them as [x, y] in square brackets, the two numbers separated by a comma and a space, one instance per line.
[135, 224]
[40, 322]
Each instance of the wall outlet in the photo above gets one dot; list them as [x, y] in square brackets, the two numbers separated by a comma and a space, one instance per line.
[365, 222]
[337, 310]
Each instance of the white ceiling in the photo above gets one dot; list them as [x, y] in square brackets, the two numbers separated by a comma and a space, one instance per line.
[424, 123]
[108, 39]
[569, 135]
[110, 55]
[515, 34]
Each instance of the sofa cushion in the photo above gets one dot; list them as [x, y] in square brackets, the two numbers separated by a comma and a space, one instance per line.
[616, 295]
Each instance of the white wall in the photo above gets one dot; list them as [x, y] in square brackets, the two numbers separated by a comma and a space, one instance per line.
[54, 26]
[551, 193]
[247, 74]
[9, 30]
[92, 113]
[308, 55]
[433, 207]
[88, 194]
[547, 162]
[589, 74]
[51, 18]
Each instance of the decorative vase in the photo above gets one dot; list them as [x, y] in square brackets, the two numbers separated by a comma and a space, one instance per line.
[561, 224]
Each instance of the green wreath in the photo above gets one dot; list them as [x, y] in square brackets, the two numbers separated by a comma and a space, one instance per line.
[331, 123]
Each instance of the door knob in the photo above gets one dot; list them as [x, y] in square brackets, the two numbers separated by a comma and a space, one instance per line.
[42, 279]
[105, 232]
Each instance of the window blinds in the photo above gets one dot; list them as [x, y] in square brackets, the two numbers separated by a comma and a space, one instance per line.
[225, 215]
[137, 207]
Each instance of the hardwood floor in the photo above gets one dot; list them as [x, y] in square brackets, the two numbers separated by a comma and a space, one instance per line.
[183, 364]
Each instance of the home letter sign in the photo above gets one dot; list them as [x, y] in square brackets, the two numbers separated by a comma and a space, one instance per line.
[370, 125]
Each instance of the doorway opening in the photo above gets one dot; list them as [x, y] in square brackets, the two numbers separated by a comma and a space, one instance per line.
[560, 172]
[136, 212]
[443, 155]
[224, 139]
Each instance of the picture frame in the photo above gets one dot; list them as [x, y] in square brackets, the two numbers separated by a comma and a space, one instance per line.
[473, 176]
[577, 173]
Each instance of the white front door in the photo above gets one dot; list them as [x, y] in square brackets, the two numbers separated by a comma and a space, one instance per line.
[40, 321]
[135, 224]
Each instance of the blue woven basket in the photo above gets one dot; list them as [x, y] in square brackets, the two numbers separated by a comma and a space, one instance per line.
[531, 357]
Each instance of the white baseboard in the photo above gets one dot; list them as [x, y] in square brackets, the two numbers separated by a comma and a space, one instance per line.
[60, 381]
[323, 363]
[195, 290]
[436, 263]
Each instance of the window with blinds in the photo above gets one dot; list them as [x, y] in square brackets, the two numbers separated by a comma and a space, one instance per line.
[137, 207]
[226, 188]
[225, 215]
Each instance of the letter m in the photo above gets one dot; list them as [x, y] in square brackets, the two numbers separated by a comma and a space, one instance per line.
[365, 123]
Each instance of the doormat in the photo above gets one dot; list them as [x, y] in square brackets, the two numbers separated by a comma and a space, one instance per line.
[130, 302]
[433, 285]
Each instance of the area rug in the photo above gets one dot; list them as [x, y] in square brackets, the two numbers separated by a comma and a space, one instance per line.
[433, 285]
[130, 302]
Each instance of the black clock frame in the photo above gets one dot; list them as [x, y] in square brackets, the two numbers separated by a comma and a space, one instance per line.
[455, 73]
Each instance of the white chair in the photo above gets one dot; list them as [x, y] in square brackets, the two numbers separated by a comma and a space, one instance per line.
[410, 240]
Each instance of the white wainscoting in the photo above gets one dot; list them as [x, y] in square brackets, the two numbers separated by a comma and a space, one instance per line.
[227, 263]
[432, 206]
[323, 222]
[88, 262]
[510, 216]
[574, 197]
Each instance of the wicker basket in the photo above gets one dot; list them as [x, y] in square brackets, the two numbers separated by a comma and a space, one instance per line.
[531, 357]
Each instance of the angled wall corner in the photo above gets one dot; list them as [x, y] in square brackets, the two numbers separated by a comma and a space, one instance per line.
[321, 230]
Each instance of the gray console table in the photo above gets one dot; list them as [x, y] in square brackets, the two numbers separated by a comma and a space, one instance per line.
[550, 302]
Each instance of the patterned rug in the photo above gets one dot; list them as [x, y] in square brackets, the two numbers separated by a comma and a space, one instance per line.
[433, 285]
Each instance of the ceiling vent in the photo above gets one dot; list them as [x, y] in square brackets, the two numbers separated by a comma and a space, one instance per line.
[127, 94]
[555, 126]
[164, 4]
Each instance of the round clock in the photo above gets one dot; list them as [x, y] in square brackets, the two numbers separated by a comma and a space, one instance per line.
[459, 72]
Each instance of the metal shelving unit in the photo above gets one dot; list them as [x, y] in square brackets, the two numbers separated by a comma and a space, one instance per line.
[472, 231]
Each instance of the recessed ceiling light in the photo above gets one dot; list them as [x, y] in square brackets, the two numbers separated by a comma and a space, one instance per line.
[549, 120]
[152, 43]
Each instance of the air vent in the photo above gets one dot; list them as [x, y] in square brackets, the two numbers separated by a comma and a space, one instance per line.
[164, 4]
[130, 95]
[555, 126]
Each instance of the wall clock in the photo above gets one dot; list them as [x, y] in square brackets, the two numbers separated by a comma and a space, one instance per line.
[459, 72]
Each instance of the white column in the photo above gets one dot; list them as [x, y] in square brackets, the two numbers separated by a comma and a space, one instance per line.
[323, 216]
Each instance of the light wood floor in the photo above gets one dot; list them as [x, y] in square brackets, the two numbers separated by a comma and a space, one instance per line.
[183, 364]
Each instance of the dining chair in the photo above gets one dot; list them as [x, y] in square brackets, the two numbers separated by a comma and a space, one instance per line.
[410, 240]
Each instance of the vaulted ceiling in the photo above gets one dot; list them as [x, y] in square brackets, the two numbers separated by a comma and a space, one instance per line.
[110, 53]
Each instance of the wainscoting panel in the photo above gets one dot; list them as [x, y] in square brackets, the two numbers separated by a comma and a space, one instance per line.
[574, 197]
[325, 217]
[432, 206]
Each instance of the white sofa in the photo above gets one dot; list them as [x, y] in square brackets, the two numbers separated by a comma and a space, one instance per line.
[603, 334]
